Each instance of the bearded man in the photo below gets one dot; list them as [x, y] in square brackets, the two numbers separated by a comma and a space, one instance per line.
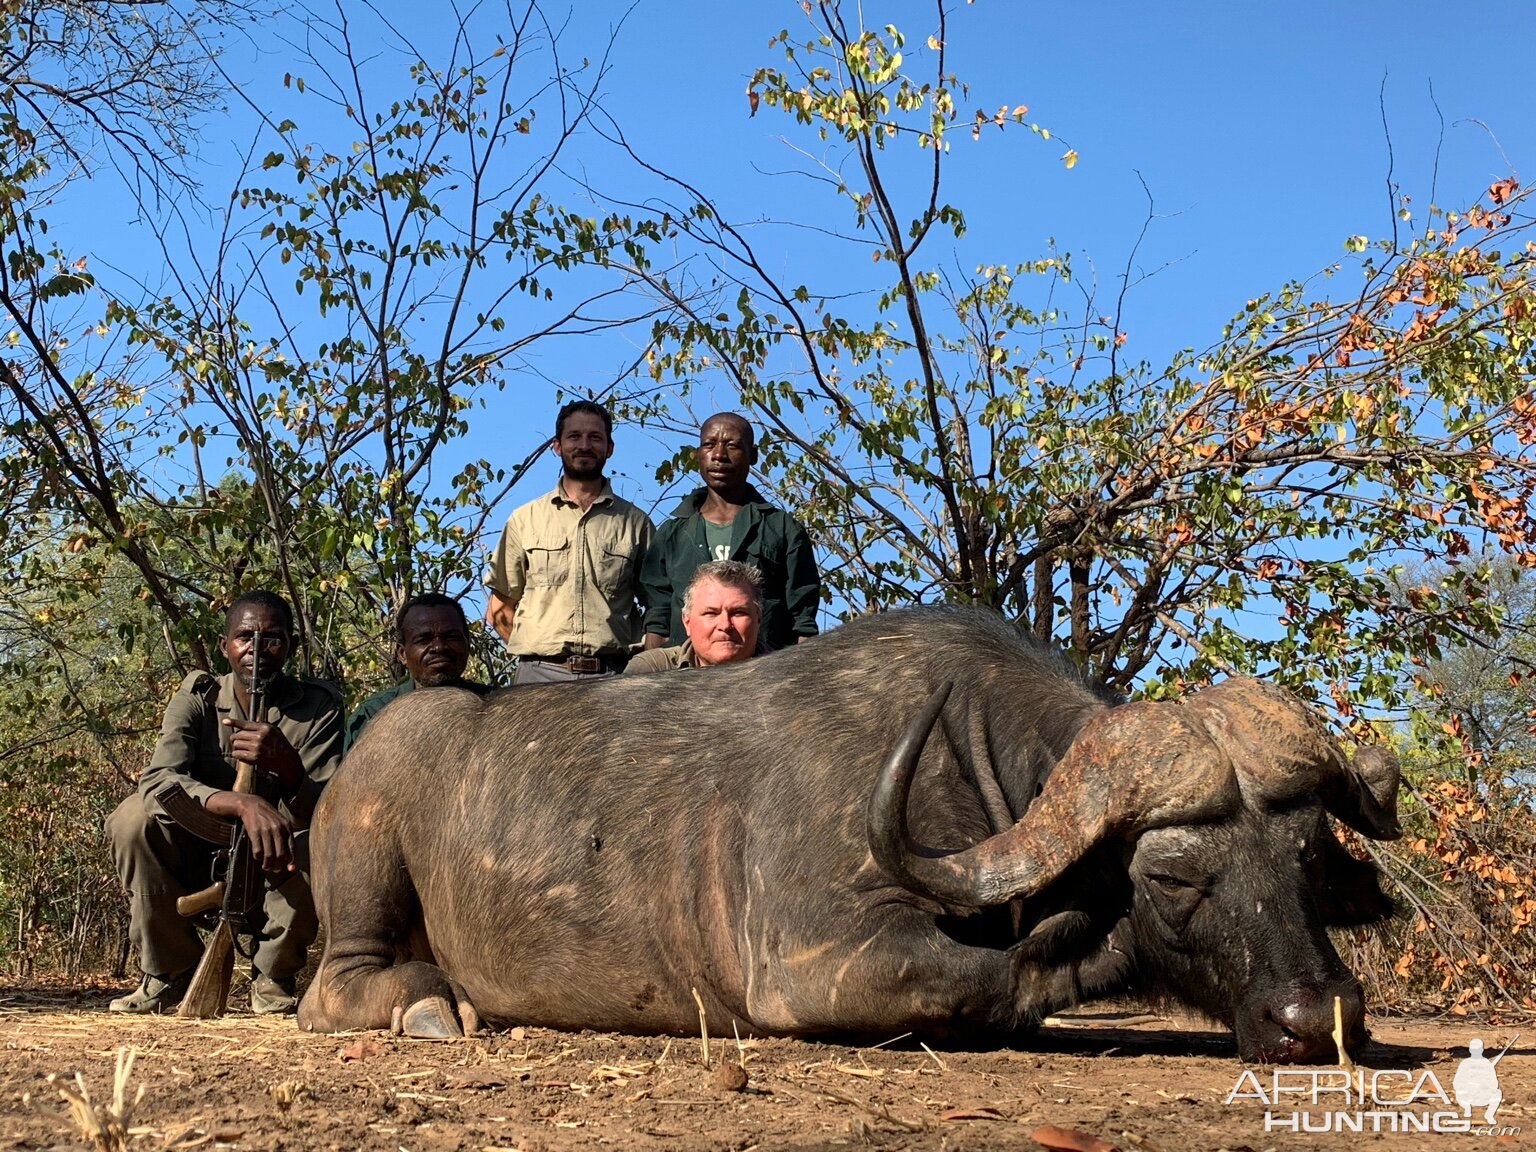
[564, 580]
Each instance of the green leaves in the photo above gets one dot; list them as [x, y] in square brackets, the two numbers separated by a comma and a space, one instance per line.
[70, 283]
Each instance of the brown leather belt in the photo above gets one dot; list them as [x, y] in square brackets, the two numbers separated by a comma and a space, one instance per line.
[582, 664]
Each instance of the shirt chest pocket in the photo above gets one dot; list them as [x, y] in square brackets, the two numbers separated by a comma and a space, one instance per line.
[769, 562]
[613, 566]
[214, 764]
[549, 562]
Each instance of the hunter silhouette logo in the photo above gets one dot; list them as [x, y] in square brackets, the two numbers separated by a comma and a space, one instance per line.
[1477, 1081]
[1358, 1099]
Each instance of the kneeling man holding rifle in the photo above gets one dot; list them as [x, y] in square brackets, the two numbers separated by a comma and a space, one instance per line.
[234, 778]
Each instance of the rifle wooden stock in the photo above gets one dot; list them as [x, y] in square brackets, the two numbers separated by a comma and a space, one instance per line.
[210, 897]
[208, 993]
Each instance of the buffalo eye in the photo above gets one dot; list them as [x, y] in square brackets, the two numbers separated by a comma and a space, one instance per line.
[1174, 898]
[1176, 886]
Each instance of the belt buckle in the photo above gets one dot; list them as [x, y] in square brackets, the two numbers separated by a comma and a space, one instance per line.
[585, 663]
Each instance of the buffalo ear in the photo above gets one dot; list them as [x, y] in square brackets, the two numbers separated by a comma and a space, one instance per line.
[1351, 894]
[1062, 938]
[1364, 795]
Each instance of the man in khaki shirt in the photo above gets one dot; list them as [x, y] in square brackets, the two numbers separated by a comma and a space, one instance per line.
[564, 580]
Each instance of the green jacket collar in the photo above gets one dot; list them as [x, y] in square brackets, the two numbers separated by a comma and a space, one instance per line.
[692, 502]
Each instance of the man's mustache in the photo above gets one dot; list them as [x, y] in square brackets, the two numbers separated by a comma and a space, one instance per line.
[268, 669]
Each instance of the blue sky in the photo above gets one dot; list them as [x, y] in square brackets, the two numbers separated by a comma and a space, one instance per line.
[1259, 131]
[1257, 128]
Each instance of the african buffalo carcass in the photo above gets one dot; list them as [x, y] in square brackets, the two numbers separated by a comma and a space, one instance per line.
[583, 856]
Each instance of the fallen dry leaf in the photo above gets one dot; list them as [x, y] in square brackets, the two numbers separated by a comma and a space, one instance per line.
[474, 1078]
[1066, 1140]
[972, 1114]
[359, 1050]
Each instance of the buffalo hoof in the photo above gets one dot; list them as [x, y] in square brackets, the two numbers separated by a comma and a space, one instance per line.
[430, 1019]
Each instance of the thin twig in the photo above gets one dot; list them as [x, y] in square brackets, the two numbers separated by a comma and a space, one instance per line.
[703, 1025]
[879, 1113]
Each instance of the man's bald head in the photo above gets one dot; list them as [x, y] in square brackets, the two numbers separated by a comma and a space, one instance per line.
[731, 420]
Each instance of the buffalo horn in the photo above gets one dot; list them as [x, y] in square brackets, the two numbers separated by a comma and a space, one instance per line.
[1282, 750]
[1133, 768]
[887, 819]
[1160, 771]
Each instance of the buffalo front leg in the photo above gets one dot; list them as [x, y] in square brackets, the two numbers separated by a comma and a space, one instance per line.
[1068, 959]
[369, 976]
[905, 975]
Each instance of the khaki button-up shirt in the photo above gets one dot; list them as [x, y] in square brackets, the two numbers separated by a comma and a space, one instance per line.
[573, 575]
[663, 659]
[194, 745]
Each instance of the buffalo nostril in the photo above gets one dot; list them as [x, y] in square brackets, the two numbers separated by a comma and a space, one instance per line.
[1302, 1020]
[1306, 1021]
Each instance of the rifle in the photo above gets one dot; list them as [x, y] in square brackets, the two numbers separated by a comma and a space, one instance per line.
[240, 893]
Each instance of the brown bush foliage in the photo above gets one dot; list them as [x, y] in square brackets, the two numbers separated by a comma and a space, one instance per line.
[1464, 876]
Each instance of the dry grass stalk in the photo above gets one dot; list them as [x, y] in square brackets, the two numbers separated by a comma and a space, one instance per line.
[621, 1072]
[616, 1072]
[942, 1066]
[850, 1070]
[879, 1112]
[1338, 1035]
[107, 1126]
[703, 1025]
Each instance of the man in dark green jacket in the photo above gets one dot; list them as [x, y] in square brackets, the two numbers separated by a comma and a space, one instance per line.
[432, 642]
[728, 519]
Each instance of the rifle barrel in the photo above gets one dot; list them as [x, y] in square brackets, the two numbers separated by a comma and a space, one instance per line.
[258, 692]
[1505, 1049]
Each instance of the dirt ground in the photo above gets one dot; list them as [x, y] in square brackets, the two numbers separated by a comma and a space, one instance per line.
[1133, 1080]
